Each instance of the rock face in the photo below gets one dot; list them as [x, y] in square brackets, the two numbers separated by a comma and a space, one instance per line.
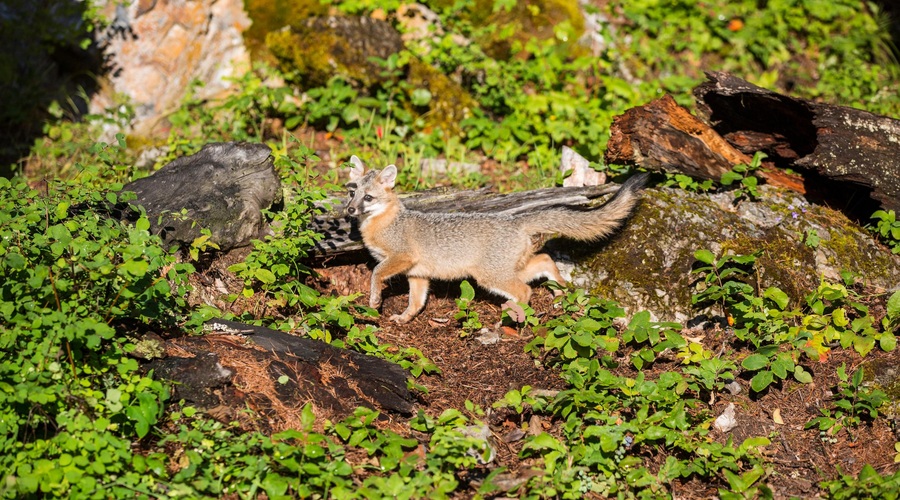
[157, 48]
[224, 187]
[647, 265]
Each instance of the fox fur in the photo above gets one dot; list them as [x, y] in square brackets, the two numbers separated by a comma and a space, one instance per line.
[496, 250]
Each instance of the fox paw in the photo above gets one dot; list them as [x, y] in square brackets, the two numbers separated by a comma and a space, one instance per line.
[375, 302]
[400, 318]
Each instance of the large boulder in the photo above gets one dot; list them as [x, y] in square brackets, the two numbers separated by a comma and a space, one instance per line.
[156, 49]
[317, 49]
[647, 266]
[223, 188]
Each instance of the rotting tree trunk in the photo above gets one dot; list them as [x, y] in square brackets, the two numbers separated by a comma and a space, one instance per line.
[664, 136]
[340, 234]
[236, 366]
[847, 145]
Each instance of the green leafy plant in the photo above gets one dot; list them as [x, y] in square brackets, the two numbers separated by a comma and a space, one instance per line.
[73, 277]
[465, 314]
[743, 175]
[868, 484]
[688, 183]
[812, 239]
[585, 330]
[746, 485]
[888, 228]
[852, 403]
[720, 280]
[658, 337]
[836, 315]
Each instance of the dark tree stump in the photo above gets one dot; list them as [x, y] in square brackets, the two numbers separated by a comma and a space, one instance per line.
[223, 187]
[846, 145]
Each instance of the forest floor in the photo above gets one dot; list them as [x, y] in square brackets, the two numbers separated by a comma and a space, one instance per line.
[482, 373]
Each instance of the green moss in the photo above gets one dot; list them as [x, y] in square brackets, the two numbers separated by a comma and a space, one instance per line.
[272, 15]
[848, 252]
[450, 103]
[540, 19]
[319, 48]
[312, 57]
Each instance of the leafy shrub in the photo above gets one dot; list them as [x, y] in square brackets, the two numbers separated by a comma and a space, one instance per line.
[76, 282]
[888, 228]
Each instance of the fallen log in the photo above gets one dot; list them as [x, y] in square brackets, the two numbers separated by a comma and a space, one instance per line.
[664, 136]
[340, 234]
[237, 366]
[859, 149]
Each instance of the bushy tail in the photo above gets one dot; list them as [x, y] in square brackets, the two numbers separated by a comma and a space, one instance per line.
[587, 223]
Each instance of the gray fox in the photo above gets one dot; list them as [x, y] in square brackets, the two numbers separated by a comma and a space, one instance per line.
[497, 250]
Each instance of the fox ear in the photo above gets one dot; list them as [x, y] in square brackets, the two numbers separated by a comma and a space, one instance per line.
[388, 176]
[358, 169]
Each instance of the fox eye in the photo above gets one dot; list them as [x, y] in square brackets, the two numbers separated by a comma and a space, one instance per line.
[352, 193]
[367, 197]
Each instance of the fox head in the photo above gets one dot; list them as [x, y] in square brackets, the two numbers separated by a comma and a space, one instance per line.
[370, 192]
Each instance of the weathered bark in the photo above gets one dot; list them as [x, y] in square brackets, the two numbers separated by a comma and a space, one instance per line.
[662, 135]
[215, 370]
[340, 234]
[839, 143]
[223, 188]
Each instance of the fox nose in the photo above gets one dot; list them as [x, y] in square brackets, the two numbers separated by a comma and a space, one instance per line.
[351, 210]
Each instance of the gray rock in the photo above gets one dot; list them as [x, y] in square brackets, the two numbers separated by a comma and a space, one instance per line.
[726, 422]
[224, 187]
[647, 266]
[433, 167]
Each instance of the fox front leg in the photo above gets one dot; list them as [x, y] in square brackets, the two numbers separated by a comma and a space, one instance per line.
[375, 293]
[382, 272]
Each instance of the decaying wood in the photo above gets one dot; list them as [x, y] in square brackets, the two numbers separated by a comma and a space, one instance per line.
[340, 234]
[843, 144]
[662, 135]
[208, 373]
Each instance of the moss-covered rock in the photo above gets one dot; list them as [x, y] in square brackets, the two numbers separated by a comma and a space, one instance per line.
[319, 48]
[272, 15]
[449, 104]
[647, 266]
[540, 19]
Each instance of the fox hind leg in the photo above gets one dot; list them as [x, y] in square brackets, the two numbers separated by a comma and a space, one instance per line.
[542, 266]
[514, 289]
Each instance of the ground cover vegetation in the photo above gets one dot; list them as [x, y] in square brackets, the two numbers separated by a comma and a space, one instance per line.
[82, 279]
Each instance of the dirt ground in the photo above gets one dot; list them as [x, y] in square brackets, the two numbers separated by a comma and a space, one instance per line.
[482, 374]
